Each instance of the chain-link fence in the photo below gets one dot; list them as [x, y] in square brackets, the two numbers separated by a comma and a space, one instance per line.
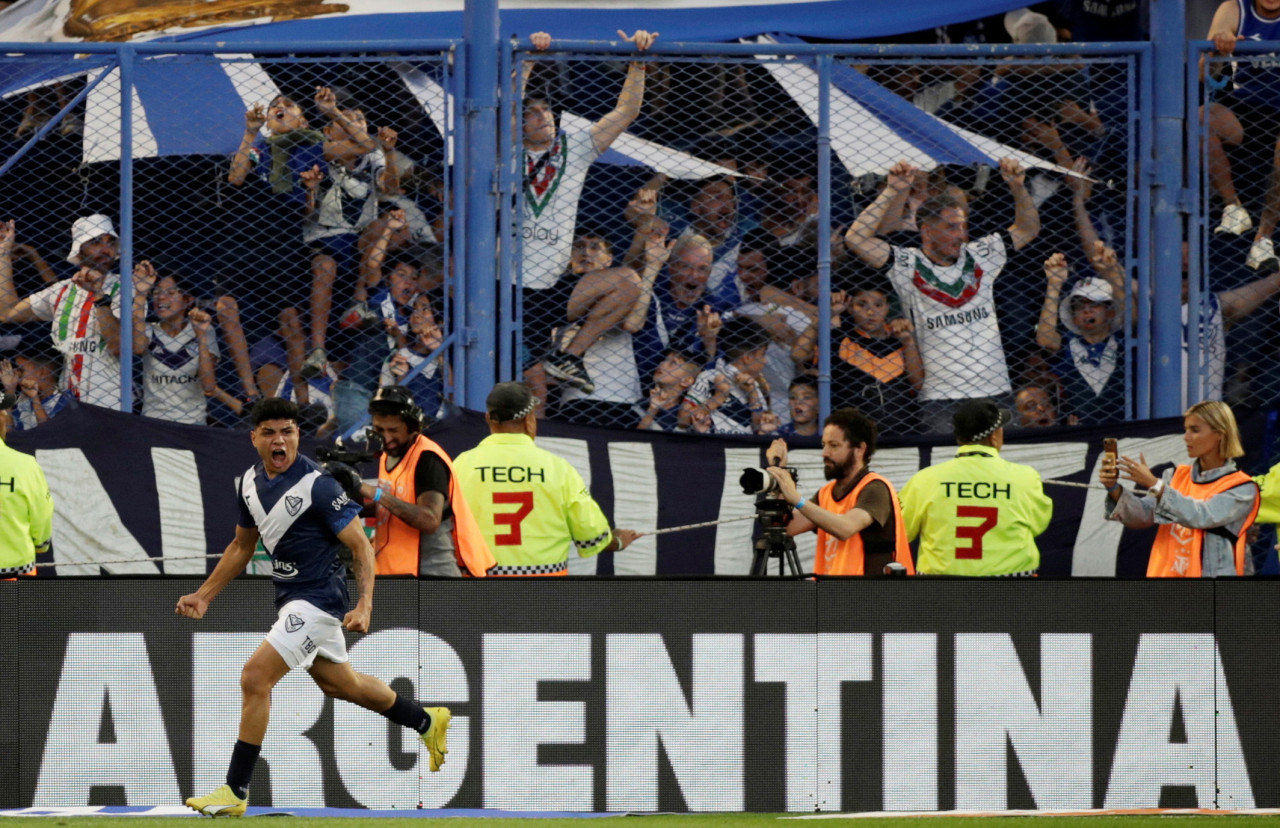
[1229, 289]
[707, 240]
[704, 239]
[285, 221]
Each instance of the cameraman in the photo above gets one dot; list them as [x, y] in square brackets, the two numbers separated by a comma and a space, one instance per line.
[424, 524]
[857, 514]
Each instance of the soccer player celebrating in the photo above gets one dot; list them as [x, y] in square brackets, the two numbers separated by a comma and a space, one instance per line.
[303, 517]
[977, 514]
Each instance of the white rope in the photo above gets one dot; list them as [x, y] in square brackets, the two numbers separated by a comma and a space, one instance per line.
[689, 526]
[165, 559]
[1098, 486]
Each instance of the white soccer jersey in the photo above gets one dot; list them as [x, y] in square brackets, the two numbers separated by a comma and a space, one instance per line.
[89, 370]
[954, 312]
[552, 188]
[171, 376]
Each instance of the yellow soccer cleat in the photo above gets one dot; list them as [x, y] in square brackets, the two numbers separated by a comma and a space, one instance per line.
[437, 736]
[224, 802]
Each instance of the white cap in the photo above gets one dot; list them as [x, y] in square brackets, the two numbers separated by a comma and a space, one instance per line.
[1026, 26]
[1092, 288]
[88, 228]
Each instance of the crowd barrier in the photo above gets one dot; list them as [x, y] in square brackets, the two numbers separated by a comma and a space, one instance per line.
[135, 496]
[667, 695]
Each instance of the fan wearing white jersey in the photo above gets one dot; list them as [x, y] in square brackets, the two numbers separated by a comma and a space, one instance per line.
[946, 287]
[85, 310]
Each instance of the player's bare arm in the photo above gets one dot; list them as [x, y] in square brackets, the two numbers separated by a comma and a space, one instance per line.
[233, 561]
[362, 566]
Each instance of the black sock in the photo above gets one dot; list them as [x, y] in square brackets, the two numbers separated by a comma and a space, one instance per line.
[243, 757]
[408, 713]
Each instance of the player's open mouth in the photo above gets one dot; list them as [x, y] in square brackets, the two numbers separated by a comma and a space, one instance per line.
[278, 456]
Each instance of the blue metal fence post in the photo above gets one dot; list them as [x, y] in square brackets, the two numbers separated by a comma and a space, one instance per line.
[478, 156]
[126, 56]
[1168, 33]
[824, 249]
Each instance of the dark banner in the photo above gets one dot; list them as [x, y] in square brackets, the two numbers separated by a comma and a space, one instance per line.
[643, 695]
[139, 496]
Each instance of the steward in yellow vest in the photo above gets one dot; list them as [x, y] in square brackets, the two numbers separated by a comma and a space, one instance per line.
[26, 507]
[1202, 511]
[977, 514]
[857, 514]
[532, 506]
[424, 526]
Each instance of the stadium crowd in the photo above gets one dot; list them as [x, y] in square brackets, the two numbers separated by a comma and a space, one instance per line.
[314, 262]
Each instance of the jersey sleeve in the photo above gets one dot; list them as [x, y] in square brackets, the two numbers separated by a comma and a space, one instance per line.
[588, 526]
[332, 503]
[245, 517]
[42, 301]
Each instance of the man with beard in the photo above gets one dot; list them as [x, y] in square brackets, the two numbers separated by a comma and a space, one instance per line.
[857, 514]
[424, 525]
[85, 311]
[977, 514]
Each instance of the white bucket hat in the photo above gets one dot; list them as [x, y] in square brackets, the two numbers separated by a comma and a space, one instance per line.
[88, 228]
[1094, 289]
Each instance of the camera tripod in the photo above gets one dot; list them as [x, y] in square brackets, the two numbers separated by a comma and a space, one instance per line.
[774, 514]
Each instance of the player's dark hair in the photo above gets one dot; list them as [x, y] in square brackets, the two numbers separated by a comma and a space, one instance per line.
[806, 380]
[273, 408]
[857, 428]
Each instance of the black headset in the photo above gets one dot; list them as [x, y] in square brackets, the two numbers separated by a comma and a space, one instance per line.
[395, 400]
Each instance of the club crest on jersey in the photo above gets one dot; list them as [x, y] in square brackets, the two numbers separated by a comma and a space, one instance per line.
[293, 623]
[292, 505]
[952, 294]
[542, 180]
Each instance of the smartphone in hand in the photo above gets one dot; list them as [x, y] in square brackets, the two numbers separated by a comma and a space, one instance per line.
[1110, 454]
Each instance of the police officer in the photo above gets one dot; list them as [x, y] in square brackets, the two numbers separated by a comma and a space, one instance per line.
[531, 504]
[424, 525]
[977, 514]
[26, 507]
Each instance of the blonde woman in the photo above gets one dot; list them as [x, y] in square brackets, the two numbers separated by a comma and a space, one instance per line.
[1202, 511]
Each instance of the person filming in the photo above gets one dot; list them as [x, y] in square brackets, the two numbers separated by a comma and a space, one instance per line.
[856, 514]
[424, 525]
[1202, 511]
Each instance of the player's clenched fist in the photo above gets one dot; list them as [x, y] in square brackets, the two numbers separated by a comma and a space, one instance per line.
[192, 606]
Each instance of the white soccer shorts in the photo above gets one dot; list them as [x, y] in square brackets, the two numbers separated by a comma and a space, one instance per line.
[302, 632]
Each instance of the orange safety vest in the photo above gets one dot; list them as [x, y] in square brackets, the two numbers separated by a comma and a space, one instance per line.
[844, 557]
[1176, 551]
[396, 543]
